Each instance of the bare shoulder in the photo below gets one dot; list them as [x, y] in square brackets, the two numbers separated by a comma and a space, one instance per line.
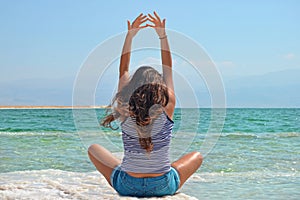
[169, 110]
[123, 80]
[170, 107]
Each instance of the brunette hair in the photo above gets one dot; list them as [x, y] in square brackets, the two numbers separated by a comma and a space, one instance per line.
[142, 99]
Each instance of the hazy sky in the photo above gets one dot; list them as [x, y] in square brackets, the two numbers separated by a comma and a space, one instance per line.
[49, 40]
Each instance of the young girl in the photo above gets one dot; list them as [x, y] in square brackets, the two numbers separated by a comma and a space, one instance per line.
[144, 104]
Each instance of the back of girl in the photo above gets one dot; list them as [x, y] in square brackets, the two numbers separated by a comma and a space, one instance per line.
[144, 105]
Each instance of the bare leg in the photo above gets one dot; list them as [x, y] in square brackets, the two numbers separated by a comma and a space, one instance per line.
[187, 165]
[103, 160]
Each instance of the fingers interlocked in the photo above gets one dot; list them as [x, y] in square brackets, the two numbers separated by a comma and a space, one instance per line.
[155, 19]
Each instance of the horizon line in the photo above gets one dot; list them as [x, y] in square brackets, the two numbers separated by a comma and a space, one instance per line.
[105, 106]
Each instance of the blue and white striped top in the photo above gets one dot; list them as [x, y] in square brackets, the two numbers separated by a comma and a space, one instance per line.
[136, 159]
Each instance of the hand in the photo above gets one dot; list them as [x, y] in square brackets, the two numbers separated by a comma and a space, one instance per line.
[158, 25]
[136, 25]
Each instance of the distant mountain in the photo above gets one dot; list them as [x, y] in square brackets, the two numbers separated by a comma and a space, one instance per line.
[271, 79]
[37, 92]
[274, 89]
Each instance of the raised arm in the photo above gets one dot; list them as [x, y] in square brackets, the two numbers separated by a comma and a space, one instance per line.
[166, 60]
[126, 51]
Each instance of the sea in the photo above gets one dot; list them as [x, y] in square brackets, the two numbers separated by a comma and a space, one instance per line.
[255, 155]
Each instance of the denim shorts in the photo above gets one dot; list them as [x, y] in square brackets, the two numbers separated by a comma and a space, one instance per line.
[127, 185]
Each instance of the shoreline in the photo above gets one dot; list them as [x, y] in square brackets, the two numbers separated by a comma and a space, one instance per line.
[51, 107]
[7, 107]
[55, 184]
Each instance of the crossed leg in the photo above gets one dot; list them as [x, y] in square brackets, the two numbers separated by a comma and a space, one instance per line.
[104, 160]
[187, 165]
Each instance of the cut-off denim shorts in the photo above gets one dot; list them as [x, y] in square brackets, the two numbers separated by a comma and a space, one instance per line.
[127, 185]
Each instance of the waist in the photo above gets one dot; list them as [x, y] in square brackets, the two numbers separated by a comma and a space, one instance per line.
[144, 175]
[145, 167]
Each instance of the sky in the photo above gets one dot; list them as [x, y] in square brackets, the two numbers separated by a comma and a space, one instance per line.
[254, 44]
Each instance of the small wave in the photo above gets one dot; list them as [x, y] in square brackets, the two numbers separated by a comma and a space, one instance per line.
[207, 177]
[261, 135]
[239, 135]
[14, 130]
[286, 134]
[29, 133]
[33, 129]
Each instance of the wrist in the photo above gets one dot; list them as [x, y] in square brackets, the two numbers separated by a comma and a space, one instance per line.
[129, 36]
[162, 37]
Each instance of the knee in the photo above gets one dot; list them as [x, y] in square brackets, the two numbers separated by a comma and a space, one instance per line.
[197, 155]
[92, 148]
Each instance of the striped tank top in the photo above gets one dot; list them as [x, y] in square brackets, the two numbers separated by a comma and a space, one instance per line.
[136, 159]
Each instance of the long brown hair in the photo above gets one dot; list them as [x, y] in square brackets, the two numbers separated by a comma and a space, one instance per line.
[143, 99]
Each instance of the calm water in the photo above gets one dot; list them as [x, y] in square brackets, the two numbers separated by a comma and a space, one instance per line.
[257, 155]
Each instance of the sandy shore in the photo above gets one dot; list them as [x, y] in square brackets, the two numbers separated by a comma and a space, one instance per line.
[60, 185]
[50, 107]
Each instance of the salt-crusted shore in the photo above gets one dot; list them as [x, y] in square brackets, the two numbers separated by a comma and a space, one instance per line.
[57, 184]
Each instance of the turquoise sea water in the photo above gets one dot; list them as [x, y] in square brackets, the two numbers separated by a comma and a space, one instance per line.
[257, 155]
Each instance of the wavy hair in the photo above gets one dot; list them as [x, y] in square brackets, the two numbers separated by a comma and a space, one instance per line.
[142, 99]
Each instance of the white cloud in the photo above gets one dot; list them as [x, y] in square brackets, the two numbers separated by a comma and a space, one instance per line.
[225, 63]
[154, 61]
[149, 60]
[218, 64]
[289, 56]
